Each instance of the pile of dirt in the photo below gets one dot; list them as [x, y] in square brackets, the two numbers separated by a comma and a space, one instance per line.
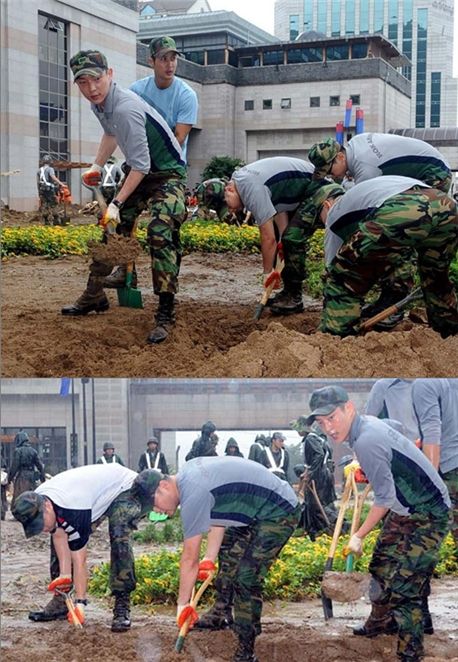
[215, 334]
[118, 249]
[345, 586]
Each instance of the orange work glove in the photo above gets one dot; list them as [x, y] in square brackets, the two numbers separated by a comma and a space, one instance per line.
[79, 613]
[63, 583]
[93, 176]
[205, 568]
[360, 476]
[274, 279]
[186, 613]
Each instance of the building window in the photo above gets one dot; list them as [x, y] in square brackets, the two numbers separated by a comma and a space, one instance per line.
[335, 18]
[407, 32]
[358, 51]
[364, 17]
[308, 15]
[314, 102]
[53, 89]
[285, 103]
[296, 55]
[321, 17]
[249, 61]
[379, 8]
[435, 98]
[337, 52]
[356, 99]
[272, 57]
[422, 35]
[334, 101]
[293, 27]
[393, 21]
[350, 17]
[249, 104]
[216, 57]
[267, 104]
[195, 56]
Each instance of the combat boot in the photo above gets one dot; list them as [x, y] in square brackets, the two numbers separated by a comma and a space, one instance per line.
[93, 297]
[245, 650]
[121, 613]
[118, 278]
[215, 619]
[287, 302]
[165, 318]
[55, 610]
[380, 621]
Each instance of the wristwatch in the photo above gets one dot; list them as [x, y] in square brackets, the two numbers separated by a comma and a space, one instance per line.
[118, 203]
[80, 601]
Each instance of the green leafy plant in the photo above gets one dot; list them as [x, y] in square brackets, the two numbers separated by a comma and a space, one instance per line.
[221, 166]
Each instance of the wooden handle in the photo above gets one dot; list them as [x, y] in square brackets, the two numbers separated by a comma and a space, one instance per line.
[340, 517]
[194, 602]
[71, 608]
[320, 505]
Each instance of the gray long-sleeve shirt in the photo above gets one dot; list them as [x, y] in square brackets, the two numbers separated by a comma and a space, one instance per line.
[402, 477]
[142, 134]
[436, 406]
[392, 398]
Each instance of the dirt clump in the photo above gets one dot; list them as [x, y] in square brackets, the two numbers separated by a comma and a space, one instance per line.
[117, 250]
[345, 586]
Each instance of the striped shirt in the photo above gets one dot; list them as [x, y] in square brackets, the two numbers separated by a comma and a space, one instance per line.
[216, 491]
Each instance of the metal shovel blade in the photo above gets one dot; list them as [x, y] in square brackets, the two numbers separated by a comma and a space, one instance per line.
[129, 296]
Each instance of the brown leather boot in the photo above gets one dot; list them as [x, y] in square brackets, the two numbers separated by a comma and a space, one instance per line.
[93, 298]
[380, 621]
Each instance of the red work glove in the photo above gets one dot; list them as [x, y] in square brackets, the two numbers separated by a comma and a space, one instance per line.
[205, 568]
[187, 613]
[280, 253]
[64, 583]
[360, 476]
[274, 279]
[79, 613]
[93, 176]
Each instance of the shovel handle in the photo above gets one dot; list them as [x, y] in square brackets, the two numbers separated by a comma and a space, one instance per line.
[194, 602]
[340, 517]
[396, 307]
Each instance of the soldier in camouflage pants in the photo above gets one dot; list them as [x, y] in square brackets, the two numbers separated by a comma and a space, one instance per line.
[424, 220]
[451, 480]
[402, 564]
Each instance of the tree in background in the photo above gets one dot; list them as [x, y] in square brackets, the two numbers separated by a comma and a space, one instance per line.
[221, 166]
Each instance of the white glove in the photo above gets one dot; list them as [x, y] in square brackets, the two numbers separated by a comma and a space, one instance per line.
[93, 176]
[355, 546]
[110, 219]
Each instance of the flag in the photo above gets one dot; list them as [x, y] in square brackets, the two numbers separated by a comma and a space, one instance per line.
[340, 133]
[359, 121]
[64, 386]
[348, 107]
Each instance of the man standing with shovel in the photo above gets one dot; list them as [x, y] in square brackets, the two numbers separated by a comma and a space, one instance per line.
[413, 501]
[155, 178]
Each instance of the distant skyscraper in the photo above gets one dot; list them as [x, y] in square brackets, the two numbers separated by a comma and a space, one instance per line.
[422, 30]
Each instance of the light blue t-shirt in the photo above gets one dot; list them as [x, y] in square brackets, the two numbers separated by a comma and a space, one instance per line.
[177, 103]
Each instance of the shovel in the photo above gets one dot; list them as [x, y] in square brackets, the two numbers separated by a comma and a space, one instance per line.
[325, 600]
[128, 296]
[194, 602]
[71, 607]
[395, 308]
[279, 264]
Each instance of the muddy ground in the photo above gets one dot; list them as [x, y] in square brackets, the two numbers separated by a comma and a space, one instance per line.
[291, 631]
[215, 334]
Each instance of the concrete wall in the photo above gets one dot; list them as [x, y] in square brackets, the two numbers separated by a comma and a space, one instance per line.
[107, 26]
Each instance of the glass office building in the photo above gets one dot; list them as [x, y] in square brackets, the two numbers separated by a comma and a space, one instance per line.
[423, 31]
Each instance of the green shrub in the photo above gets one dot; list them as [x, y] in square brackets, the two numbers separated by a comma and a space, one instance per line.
[221, 166]
[295, 575]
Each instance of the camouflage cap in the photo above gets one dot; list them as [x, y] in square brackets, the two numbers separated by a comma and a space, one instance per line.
[145, 485]
[330, 190]
[88, 63]
[299, 424]
[28, 510]
[322, 155]
[161, 46]
[107, 445]
[278, 435]
[324, 400]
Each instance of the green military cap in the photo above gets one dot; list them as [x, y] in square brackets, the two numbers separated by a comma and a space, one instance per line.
[145, 485]
[28, 510]
[299, 424]
[88, 63]
[161, 46]
[325, 192]
[322, 155]
[107, 445]
[324, 400]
